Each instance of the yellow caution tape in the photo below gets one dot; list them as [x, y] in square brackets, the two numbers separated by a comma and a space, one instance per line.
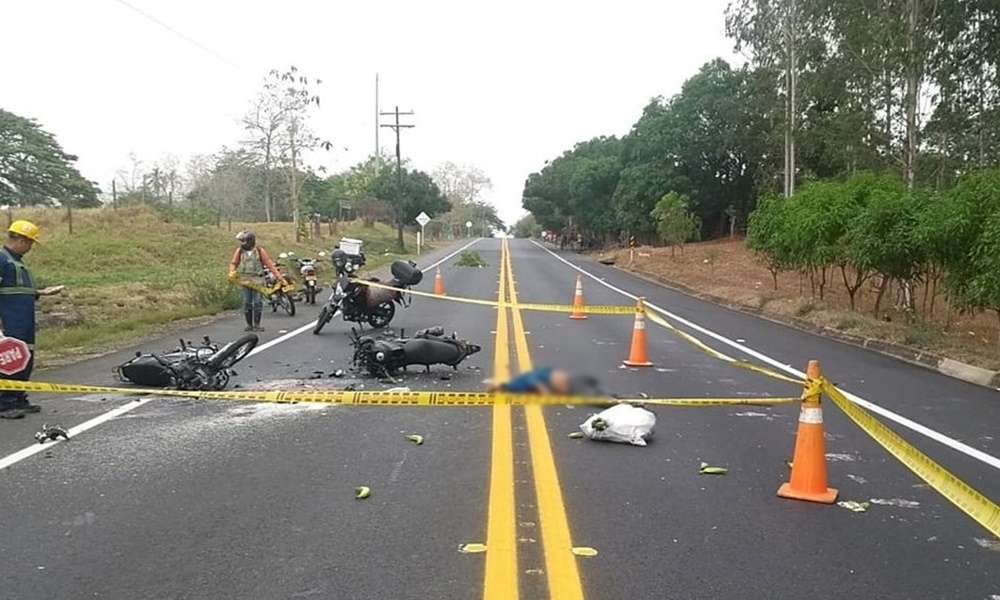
[982, 510]
[385, 398]
[813, 389]
[719, 355]
[267, 292]
[558, 308]
[588, 309]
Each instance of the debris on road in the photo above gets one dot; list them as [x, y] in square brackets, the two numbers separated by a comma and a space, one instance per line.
[621, 423]
[993, 545]
[362, 492]
[416, 439]
[900, 502]
[840, 457]
[584, 551]
[51, 433]
[471, 548]
[853, 505]
[576, 435]
[709, 470]
[338, 373]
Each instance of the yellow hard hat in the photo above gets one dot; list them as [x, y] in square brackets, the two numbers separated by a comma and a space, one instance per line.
[25, 229]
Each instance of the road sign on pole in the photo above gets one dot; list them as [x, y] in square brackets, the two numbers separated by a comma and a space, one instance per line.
[422, 220]
[14, 355]
[468, 228]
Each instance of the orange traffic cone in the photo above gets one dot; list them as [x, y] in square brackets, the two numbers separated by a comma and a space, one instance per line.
[637, 356]
[808, 481]
[578, 301]
[438, 283]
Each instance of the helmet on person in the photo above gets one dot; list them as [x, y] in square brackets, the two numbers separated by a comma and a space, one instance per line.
[247, 239]
[25, 229]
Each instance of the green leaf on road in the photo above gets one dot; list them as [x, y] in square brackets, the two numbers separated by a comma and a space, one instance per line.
[416, 439]
[707, 470]
[854, 505]
[362, 492]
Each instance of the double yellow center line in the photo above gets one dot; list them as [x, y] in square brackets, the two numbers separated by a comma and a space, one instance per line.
[501, 581]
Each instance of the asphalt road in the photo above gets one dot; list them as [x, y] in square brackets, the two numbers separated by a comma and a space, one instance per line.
[207, 499]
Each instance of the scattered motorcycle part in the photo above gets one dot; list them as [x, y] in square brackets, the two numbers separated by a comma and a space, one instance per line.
[51, 433]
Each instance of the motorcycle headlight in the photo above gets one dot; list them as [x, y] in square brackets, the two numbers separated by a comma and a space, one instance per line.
[380, 356]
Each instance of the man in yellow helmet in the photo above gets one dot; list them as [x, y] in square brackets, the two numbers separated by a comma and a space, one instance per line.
[17, 308]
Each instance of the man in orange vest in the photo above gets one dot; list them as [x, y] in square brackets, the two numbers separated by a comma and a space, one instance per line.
[249, 262]
[17, 309]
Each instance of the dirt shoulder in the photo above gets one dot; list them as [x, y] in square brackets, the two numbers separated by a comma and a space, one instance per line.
[726, 272]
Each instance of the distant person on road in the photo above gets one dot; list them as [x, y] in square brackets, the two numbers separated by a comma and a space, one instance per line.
[17, 309]
[248, 264]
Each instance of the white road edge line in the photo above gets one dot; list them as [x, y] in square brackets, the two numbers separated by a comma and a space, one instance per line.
[24, 453]
[875, 408]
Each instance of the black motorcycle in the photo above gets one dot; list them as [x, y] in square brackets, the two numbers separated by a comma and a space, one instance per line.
[362, 303]
[188, 367]
[382, 357]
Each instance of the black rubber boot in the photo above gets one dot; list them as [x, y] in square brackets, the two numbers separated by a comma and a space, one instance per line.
[256, 319]
[248, 315]
[9, 411]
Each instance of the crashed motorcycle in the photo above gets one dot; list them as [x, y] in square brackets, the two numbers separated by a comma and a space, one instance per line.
[382, 357]
[362, 303]
[188, 367]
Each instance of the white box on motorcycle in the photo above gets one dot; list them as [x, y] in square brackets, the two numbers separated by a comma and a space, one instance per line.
[350, 246]
[406, 273]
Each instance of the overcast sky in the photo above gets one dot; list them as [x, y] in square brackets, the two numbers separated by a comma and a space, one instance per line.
[500, 85]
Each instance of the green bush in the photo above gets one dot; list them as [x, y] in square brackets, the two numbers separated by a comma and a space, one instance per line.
[469, 258]
[214, 292]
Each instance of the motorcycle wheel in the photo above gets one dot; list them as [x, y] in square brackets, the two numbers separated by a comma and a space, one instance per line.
[382, 315]
[234, 352]
[325, 314]
[288, 304]
[220, 380]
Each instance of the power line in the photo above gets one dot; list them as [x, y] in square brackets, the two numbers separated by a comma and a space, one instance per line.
[177, 33]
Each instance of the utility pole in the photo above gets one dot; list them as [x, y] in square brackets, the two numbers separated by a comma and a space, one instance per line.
[378, 151]
[399, 172]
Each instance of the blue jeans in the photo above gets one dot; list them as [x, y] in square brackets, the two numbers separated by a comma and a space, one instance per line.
[252, 300]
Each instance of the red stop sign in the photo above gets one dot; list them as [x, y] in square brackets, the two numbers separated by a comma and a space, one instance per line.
[14, 355]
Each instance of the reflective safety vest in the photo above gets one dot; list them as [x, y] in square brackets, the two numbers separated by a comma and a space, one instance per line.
[17, 301]
[250, 262]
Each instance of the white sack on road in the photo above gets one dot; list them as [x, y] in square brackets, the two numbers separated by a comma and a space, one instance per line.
[621, 423]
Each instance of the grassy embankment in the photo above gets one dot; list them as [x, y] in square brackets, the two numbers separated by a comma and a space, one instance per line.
[129, 272]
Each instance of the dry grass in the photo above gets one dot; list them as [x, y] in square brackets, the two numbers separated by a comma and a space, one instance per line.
[726, 269]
